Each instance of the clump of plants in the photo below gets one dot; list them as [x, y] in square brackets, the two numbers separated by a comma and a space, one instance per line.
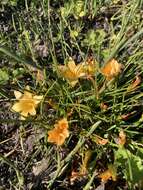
[71, 89]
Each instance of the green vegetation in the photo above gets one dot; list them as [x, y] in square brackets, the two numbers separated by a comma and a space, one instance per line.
[104, 116]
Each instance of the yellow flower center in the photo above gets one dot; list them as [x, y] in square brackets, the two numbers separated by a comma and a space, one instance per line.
[27, 104]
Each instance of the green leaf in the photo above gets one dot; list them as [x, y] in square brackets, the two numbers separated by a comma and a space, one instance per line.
[94, 38]
[6, 51]
[4, 76]
[9, 2]
[132, 165]
[90, 39]
[140, 152]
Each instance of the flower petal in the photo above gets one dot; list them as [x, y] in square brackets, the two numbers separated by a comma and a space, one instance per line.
[37, 99]
[71, 64]
[24, 114]
[79, 71]
[32, 111]
[16, 107]
[73, 83]
[17, 94]
[27, 94]
[27, 88]
[22, 118]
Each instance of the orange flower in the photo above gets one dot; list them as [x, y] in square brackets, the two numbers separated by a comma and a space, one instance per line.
[27, 103]
[71, 72]
[110, 173]
[59, 133]
[111, 69]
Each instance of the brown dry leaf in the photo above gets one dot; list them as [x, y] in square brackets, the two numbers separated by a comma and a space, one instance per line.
[70, 112]
[59, 133]
[40, 166]
[111, 69]
[33, 138]
[52, 104]
[134, 84]
[74, 175]
[38, 74]
[122, 138]
[101, 186]
[110, 173]
[83, 169]
[125, 117]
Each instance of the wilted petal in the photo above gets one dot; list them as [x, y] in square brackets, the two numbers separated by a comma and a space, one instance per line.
[134, 84]
[17, 94]
[57, 137]
[16, 107]
[110, 173]
[101, 141]
[122, 138]
[40, 75]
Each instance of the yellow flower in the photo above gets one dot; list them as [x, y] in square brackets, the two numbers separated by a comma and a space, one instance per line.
[59, 133]
[27, 103]
[71, 72]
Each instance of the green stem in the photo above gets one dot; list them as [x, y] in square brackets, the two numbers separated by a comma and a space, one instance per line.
[18, 173]
[7, 52]
[87, 187]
